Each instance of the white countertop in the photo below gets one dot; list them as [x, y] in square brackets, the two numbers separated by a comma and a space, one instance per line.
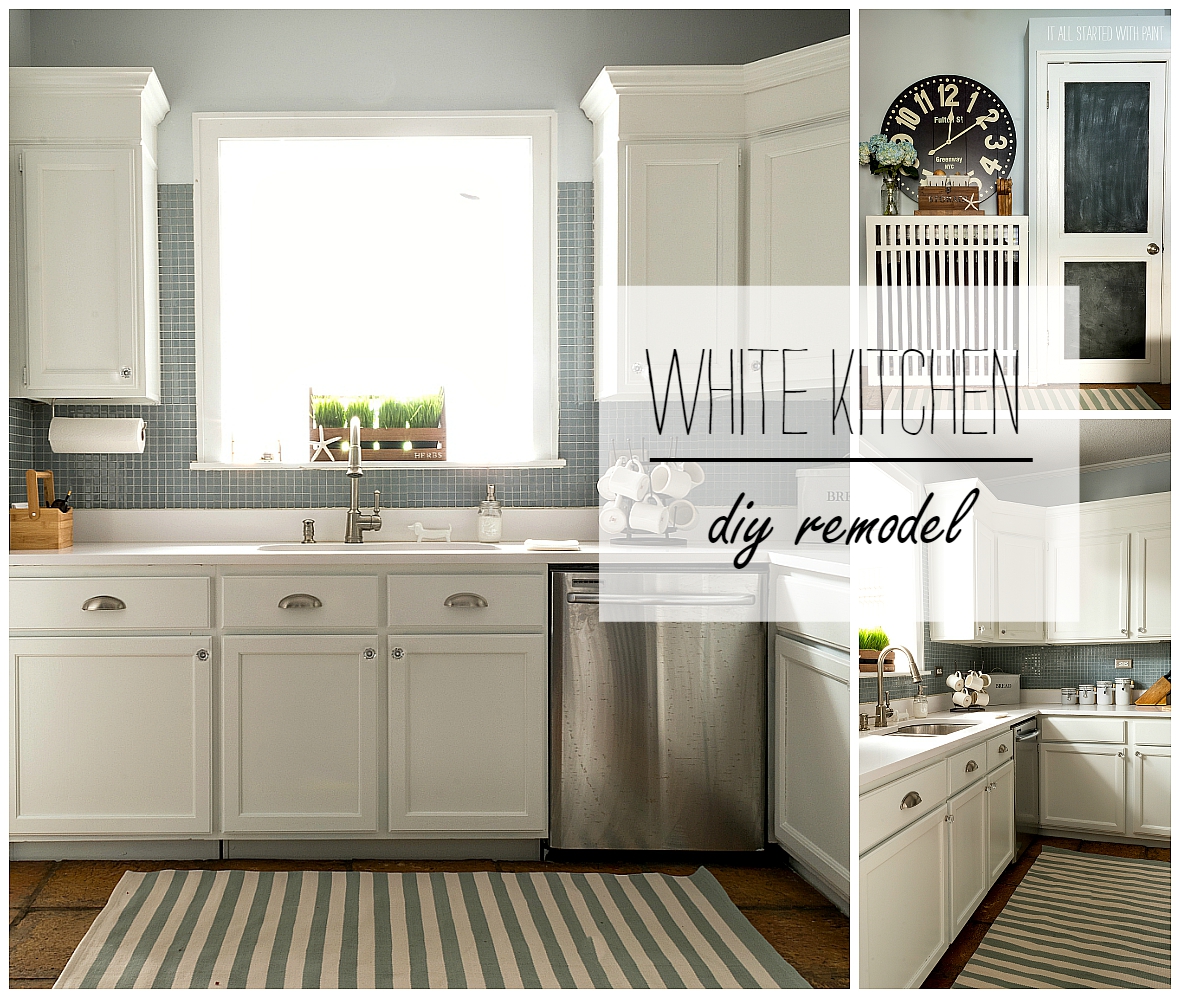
[884, 757]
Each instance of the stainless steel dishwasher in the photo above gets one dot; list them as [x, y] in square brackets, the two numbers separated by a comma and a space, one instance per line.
[657, 727]
[1028, 784]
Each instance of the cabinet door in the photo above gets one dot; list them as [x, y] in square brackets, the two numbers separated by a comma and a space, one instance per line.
[110, 736]
[811, 732]
[967, 814]
[1001, 820]
[1084, 787]
[1020, 587]
[82, 286]
[1151, 792]
[985, 582]
[904, 923]
[467, 734]
[1089, 585]
[299, 734]
[1152, 583]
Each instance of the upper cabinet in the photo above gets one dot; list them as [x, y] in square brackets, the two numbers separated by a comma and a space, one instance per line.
[714, 176]
[83, 252]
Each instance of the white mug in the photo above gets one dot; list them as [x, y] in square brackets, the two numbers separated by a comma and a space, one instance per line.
[987, 680]
[630, 481]
[612, 518]
[964, 698]
[650, 517]
[955, 681]
[671, 481]
[982, 699]
[973, 681]
[604, 483]
[682, 514]
[694, 471]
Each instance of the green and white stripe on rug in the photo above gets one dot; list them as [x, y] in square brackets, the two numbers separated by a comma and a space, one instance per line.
[1080, 920]
[1052, 398]
[245, 929]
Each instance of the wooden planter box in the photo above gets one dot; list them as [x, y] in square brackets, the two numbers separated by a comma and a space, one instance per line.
[430, 443]
[868, 661]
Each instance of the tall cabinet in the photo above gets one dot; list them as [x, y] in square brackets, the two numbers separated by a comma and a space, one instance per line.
[83, 256]
[709, 176]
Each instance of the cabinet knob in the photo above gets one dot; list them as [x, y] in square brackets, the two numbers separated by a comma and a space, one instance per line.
[125, 373]
[950, 817]
[912, 799]
[757, 365]
[1142, 630]
[1152, 249]
[1002, 750]
[104, 603]
[1125, 631]
[1138, 754]
[202, 655]
[398, 653]
[636, 368]
[370, 654]
[1122, 756]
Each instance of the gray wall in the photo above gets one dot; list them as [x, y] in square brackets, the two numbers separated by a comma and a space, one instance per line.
[410, 60]
[20, 37]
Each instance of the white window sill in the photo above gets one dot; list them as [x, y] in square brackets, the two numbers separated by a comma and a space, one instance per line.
[370, 465]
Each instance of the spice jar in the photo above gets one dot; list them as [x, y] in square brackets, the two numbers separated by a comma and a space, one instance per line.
[1087, 695]
[1106, 694]
[489, 521]
[1124, 692]
[1069, 696]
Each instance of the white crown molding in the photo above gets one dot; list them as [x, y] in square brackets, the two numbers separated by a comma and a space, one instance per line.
[93, 81]
[1082, 469]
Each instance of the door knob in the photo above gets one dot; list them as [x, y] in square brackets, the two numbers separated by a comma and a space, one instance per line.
[1152, 249]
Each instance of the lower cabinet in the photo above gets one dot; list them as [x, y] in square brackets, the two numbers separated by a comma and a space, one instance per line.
[1151, 791]
[904, 918]
[1083, 787]
[1001, 820]
[299, 733]
[110, 736]
[468, 721]
[967, 821]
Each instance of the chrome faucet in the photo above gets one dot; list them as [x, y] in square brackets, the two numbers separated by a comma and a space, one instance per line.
[884, 711]
[358, 522]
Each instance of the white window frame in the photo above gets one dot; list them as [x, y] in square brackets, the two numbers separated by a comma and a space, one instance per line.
[210, 128]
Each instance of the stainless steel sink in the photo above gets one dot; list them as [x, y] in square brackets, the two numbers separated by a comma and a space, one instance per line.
[377, 547]
[930, 730]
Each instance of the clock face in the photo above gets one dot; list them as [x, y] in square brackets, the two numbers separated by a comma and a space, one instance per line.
[957, 126]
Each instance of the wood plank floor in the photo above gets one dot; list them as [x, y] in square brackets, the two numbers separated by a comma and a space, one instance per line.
[967, 942]
[51, 905]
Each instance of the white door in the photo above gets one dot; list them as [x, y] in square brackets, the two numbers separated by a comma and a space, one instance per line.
[1106, 220]
[468, 724]
[1084, 787]
[968, 853]
[1152, 583]
[110, 736]
[80, 271]
[1090, 587]
[1020, 587]
[1001, 819]
[1151, 792]
[901, 941]
[299, 733]
[811, 731]
[985, 582]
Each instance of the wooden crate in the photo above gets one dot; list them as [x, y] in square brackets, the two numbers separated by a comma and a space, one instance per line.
[941, 200]
[39, 528]
[392, 437]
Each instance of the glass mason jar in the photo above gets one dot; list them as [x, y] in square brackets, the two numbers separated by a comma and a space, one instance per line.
[489, 520]
[889, 196]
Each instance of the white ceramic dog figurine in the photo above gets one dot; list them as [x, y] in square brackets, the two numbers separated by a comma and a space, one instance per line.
[430, 534]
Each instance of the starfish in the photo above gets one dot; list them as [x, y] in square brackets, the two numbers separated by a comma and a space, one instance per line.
[322, 447]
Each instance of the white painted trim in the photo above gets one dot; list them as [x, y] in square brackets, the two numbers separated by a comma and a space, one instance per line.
[209, 128]
[342, 465]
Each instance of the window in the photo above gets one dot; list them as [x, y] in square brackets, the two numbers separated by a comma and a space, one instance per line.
[376, 256]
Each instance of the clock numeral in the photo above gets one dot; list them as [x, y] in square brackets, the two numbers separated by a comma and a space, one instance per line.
[924, 102]
[983, 119]
[908, 118]
[996, 141]
[902, 137]
[947, 93]
[991, 165]
[971, 103]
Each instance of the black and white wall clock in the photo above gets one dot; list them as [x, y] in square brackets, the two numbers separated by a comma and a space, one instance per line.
[957, 126]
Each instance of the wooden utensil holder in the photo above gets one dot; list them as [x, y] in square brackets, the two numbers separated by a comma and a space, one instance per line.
[39, 528]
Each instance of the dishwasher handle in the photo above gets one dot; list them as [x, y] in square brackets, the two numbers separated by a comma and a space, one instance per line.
[1028, 737]
[665, 599]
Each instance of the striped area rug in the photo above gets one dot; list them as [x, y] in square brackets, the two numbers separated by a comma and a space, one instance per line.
[1060, 398]
[1080, 920]
[241, 929]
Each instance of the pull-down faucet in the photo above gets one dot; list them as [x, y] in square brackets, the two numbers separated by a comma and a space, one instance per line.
[356, 521]
[884, 711]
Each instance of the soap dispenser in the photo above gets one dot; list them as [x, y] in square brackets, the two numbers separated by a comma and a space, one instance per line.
[489, 520]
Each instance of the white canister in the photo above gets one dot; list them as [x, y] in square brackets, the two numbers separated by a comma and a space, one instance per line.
[1069, 696]
[1105, 694]
[1124, 692]
[1087, 695]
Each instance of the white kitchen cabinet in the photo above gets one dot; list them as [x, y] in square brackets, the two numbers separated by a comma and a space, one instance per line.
[299, 733]
[904, 918]
[1151, 583]
[1083, 787]
[1150, 800]
[468, 722]
[1090, 587]
[1001, 819]
[963, 583]
[84, 256]
[967, 822]
[811, 734]
[110, 736]
[1020, 588]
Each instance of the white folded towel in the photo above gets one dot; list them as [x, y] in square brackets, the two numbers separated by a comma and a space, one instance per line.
[543, 545]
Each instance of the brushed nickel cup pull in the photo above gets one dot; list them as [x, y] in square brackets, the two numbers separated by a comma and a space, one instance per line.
[104, 603]
[972, 766]
[1152, 249]
[912, 799]
[1002, 749]
[300, 601]
[473, 600]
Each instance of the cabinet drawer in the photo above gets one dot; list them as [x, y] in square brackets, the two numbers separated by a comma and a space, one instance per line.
[1083, 729]
[999, 750]
[814, 607]
[966, 767]
[882, 812]
[347, 602]
[1152, 732]
[157, 604]
[456, 602]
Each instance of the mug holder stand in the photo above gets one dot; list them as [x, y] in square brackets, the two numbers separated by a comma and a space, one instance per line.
[964, 710]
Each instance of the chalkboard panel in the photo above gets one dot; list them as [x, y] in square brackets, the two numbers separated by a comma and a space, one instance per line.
[1112, 311]
[1106, 155]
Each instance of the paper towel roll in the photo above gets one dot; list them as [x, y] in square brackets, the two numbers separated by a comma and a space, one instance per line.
[96, 436]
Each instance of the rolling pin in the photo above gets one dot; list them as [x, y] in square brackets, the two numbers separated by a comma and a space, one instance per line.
[1157, 693]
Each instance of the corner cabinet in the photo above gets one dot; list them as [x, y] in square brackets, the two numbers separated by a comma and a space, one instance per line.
[83, 246]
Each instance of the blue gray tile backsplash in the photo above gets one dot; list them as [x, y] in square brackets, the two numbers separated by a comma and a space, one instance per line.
[161, 478]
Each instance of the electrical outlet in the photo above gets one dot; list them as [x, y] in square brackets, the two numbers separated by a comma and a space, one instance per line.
[938, 670]
[1123, 663]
